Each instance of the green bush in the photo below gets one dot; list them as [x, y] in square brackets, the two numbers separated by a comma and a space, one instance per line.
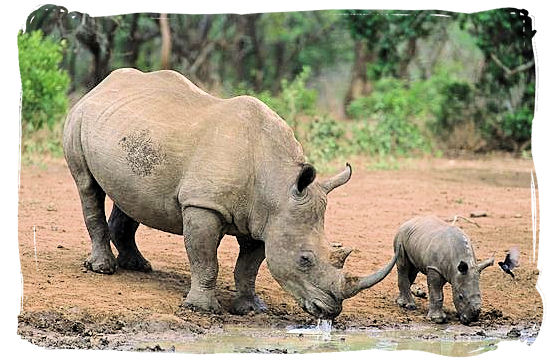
[44, 85]
[455, 107]
[391, 119]
[294, 100]
[324, 139]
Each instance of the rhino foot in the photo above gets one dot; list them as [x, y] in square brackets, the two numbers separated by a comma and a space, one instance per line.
[243, 305]
[406, 303]
[437, 316]
[202, 301]
[104, 264]
[134, 262]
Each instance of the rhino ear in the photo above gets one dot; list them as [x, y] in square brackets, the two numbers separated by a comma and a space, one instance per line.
[305, 178]
[463, 267]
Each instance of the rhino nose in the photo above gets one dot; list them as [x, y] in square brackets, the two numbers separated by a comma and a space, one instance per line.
[321, 310]
[475, 315]
[464, 319]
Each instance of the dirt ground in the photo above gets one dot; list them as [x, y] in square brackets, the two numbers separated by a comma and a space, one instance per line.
[64, 305]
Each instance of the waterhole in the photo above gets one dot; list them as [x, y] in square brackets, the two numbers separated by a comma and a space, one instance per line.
[449, 341]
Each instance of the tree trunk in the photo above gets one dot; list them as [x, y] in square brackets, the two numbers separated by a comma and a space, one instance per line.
[166, 47]
[279, 65]
[410, 53]
[257, 49]
[239, 52]
[134, 42]
[359, 84]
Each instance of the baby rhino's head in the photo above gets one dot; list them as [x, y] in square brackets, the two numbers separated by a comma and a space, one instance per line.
[466, 294]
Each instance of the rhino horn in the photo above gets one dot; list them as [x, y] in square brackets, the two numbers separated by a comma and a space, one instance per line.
[337, 180]
[339, 256]
[353, 284]
[485, 263]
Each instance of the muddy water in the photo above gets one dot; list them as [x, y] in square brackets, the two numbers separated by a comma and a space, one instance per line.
[443, 341]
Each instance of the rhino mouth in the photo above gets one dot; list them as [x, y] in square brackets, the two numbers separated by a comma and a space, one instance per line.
[466, 320]
[323, 309]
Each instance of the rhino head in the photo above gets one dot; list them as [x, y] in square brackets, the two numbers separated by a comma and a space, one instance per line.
[298, 254]
[466, 294]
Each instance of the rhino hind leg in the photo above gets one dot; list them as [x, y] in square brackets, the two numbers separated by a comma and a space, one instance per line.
[251, 256]
[406, 274]
[435, 290]
[92, 197]
[123, 230]
[202, 231]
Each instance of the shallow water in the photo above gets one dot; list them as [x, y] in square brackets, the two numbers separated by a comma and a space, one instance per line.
[443, 341]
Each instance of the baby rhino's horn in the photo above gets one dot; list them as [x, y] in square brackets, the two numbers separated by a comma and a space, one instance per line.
[485, 263]
[338, 257]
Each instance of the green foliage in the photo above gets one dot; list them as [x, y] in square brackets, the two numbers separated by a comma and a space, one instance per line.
[390, 119]
[419, 98]
[293, 101]
[44, 85]
[301, 39]
[454, 108]
[385, 32]
[324, 139]
[507, 84]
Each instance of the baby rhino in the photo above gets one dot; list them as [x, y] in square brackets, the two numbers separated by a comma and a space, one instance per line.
[444, 254]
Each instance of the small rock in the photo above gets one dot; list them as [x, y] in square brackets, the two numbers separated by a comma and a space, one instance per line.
[61, 247]
[481, 333]
[336, 244]
[517, 216]
[513, 333]
[119, 324]
[479, 213]
[51, 207]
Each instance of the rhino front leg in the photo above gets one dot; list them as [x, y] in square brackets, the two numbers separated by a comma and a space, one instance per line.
[202, 231]
[435, 289]
[123, 231]
[251, 255]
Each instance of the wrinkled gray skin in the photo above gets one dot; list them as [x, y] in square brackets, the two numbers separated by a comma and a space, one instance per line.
[174, 158]
[444, 254]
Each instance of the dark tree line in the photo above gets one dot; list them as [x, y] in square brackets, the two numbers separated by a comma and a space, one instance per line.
[258, 51]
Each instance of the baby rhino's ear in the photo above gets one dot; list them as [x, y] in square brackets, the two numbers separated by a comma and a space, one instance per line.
[463, 267]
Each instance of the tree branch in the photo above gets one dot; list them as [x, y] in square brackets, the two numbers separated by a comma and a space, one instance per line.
[508, 72]
[201, 58]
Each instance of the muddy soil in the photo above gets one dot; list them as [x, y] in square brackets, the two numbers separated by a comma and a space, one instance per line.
[66, 306]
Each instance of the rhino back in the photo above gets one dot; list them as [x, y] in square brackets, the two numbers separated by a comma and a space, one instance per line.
[429, 241]
[155, 141]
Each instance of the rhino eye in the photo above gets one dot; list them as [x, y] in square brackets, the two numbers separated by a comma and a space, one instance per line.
[306, 260]
[460, 297]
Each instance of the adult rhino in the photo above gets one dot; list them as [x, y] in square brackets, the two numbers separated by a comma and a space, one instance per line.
[177, 159]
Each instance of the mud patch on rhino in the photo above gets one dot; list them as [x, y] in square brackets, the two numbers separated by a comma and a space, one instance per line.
[143, 154]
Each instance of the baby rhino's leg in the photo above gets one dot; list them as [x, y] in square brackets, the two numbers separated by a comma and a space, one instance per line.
[435, 288]
[406, 274]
